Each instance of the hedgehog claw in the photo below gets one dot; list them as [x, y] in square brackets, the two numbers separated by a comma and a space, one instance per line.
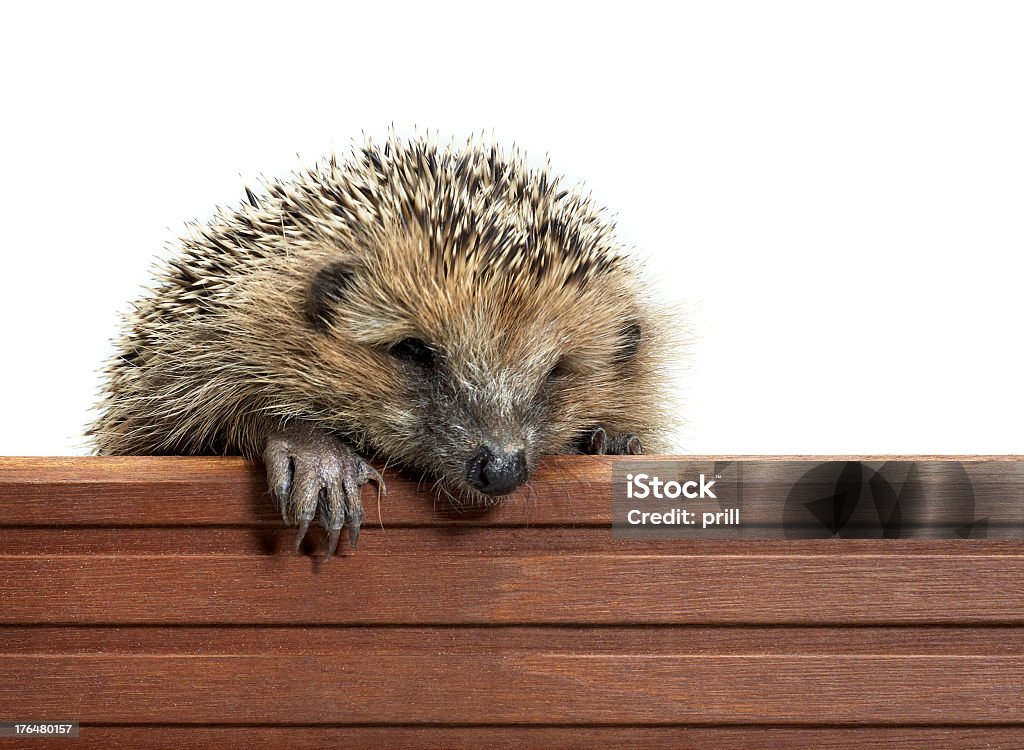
[313, 474]
[332, 543]
[598, 443]
[303, 528]
[627, 445]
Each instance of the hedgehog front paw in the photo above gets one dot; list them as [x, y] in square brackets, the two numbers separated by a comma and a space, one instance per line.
[597, 442]
[310, 471]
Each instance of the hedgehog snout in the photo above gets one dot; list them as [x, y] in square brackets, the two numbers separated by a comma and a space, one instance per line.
[496, 471]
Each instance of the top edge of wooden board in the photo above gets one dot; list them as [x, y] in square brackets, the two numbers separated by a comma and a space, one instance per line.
[192, 469]
[229, 491]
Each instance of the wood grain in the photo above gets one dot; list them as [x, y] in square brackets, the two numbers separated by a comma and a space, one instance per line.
[200, 491]
[459, 686]
[476, 541]
[647, 640]
[584, 588]
[521, 676]
[169, 737]
[158, 601]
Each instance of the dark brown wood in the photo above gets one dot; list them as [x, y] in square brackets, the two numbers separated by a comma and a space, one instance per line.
[163, 737]
[518, 676]
[582, 588]
[463, 686]
[176, 491]
[908, 642]
[38, 541]
[188, 491]
[158, 601]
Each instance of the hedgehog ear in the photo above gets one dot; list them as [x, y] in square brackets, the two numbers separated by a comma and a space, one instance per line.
[629, 343]
[329, 287]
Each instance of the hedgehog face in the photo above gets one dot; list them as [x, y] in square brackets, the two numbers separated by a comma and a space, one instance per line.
[485, 408]
[473, 382]
[477, 431]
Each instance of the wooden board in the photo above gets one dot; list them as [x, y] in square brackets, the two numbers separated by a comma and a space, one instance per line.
[158, 602]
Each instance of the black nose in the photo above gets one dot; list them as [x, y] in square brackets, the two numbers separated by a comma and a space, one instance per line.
[496, 472]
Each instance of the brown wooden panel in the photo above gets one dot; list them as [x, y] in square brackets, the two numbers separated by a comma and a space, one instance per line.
[466, 686]
[224, 674]
[189, 491]
[44, 541]
[159, 600]
[176, 491]
[539, 738]
[505, 589]
[636, 640]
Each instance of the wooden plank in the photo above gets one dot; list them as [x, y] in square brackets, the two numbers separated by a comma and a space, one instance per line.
[510, 640]
[514, 675]
[177, 491]
[468, 686]
[581, 588]
[164, 737]
[47, 541]
[158, 601]
[197, 491]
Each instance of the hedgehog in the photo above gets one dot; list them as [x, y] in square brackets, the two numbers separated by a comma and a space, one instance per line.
[445, 308]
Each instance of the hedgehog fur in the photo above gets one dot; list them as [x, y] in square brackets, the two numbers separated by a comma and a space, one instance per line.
[413, 301]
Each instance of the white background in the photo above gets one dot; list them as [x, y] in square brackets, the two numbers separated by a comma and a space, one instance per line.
[834, 190]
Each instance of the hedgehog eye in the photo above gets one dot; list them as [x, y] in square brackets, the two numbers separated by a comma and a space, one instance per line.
[415, 351]
[560, 370]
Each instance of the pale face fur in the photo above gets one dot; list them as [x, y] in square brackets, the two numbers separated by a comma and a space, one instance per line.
[536, 327]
